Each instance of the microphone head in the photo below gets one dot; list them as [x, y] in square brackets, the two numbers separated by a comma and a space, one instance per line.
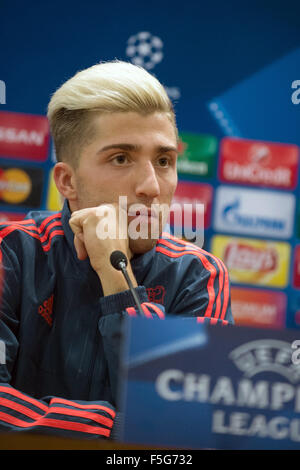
[118, 260]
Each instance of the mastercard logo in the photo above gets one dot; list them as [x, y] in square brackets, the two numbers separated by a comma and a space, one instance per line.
[15, 185]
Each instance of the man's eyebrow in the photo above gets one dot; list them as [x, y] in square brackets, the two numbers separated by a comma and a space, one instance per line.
[136, 148]
[167, 148]
[119, 146]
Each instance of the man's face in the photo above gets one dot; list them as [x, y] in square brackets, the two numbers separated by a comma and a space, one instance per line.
[134, 156]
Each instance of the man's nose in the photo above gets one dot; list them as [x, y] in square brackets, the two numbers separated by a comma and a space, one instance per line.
[147, 185]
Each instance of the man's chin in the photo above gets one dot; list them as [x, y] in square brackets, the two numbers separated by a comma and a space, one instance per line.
[140, 246]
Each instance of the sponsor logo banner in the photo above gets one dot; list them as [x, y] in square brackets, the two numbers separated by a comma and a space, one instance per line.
[258, 163]
[258, 307]
[254, 212]
[195, 200]
[197, 154]
[244, 383]
[24, 136]
[21, 186]
[252, 261]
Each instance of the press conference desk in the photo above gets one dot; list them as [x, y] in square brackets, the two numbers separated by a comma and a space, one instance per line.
[245, 397]
[25, 441]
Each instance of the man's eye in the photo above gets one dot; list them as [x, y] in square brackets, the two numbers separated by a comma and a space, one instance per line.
[120, 159]
[163, 161]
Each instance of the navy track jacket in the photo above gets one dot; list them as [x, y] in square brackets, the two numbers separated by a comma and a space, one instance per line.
[61, 334]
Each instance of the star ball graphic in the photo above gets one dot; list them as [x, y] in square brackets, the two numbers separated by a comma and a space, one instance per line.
[145, 50]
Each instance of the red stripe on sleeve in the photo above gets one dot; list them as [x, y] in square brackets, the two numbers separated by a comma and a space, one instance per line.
[83, 414]
[146, 311]
[207, 265]
[157, 310]
[6, 231]
[226, 295]
[45, 221]
[223, 276]
[52, 234]
[72, 426]
[55, 423]
[36, 231]
[50, 226]
[84, 407]
[20, 408]
[131, 311]
[21, 396]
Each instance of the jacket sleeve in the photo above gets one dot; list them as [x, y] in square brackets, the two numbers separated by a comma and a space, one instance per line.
[204, 295]
[21, 412]
[54, 415]
[205, 292]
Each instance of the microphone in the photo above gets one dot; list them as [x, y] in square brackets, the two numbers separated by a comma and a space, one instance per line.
[119, 261]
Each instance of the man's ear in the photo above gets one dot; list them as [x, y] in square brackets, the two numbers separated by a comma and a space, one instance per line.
[63, 175]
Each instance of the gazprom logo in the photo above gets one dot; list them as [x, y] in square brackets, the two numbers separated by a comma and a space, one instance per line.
[2, 92]
[232, 215]
[254, 212]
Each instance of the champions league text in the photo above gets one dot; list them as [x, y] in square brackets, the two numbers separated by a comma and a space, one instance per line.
[272, 398]
[174, 385]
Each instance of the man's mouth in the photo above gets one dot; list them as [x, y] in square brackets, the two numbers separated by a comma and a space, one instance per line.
[144, 214]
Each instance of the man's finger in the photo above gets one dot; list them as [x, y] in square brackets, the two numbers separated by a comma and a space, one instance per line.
[80, 247]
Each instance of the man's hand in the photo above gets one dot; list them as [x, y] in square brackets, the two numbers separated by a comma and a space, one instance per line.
[88, 228]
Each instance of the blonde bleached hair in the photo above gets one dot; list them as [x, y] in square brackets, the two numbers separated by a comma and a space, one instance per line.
[106, 87]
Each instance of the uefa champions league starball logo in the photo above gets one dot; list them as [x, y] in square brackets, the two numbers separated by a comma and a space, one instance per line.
[145, 50]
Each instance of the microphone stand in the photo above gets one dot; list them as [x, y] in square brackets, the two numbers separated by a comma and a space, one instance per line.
[122, 267]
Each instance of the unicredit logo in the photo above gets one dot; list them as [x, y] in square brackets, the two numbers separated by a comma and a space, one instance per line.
[253, 173]
[256, 163]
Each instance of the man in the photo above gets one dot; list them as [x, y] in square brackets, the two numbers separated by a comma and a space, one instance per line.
[63, 302]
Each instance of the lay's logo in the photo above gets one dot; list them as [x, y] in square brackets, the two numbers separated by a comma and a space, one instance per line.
[252, 261]
[242, 256]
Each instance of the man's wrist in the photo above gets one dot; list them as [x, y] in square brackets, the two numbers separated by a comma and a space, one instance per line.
[118, 302]
[113, 281]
